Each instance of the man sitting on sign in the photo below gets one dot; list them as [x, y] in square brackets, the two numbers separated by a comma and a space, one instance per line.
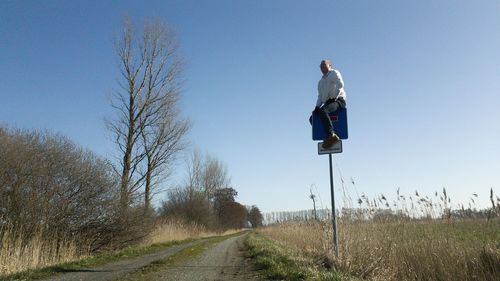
[331, 97]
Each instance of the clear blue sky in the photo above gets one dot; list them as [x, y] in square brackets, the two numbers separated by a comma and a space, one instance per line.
[422, 80]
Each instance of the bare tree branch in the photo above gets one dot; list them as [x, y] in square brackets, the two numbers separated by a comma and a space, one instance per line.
[147, 130]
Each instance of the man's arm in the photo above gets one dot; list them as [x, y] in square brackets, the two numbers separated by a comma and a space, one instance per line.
[319, 101]
[337, 82]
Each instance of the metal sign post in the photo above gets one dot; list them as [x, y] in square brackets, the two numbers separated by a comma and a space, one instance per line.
[339, 124]
[334, 217]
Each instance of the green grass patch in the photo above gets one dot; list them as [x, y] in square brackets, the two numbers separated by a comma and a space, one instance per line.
[94, 261]
[277, 262]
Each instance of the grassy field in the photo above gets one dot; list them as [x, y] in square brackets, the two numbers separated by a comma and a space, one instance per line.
[430, 249]
[412, 237]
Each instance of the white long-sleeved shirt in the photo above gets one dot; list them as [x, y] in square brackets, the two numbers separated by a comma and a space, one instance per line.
[330, 86]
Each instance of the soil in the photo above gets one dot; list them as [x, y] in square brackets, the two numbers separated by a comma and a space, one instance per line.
[223, 261]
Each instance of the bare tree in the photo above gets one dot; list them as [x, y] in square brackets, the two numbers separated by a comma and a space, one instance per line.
[207, 174]
[206, 196]
[214, 177]
[161, 142]
[147, 130]
[255, 216]
[195, 171]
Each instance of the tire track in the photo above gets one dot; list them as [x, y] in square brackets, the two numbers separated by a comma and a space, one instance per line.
[116, 269]
[223, 262]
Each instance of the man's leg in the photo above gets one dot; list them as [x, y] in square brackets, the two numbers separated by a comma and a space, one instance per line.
[331, 138]
[323, 112]
[325, 120]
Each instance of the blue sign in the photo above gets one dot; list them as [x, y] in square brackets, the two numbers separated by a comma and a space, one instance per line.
[339, 124]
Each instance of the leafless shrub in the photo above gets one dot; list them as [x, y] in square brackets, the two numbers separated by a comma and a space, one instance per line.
[51, 188]
[188, 205]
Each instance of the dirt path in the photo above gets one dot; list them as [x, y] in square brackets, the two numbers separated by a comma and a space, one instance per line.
[222, 262]
[115, 270]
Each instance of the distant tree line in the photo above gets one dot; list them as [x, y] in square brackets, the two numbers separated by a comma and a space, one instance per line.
[380, 209]
[381, 215]
[283, 216]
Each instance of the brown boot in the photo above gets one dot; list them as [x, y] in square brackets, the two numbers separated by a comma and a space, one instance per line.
[330, 141]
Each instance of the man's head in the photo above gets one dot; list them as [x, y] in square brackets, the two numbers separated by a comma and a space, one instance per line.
[325, 66]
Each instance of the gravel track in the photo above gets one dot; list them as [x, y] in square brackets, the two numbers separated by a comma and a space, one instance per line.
[114, 270]
[222, 262]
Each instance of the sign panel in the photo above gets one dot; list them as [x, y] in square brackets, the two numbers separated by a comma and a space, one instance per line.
[336, 148]
[339, 124]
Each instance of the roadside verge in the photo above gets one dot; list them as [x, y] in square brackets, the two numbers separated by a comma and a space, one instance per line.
[278, 262]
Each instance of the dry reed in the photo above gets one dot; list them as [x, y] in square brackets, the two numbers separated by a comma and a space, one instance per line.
[18, 253]
[170, 230]
[429, 245]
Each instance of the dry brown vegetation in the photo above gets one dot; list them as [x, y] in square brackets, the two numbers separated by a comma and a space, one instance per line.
[60, 203]
[57, 201]
[52, 193]
[22, 252]
[377, 244]
[176, 230]
[38, 251]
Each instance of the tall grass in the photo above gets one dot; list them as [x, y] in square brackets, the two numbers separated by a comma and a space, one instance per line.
[170, 230]
[421, 243]
[22, 250]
